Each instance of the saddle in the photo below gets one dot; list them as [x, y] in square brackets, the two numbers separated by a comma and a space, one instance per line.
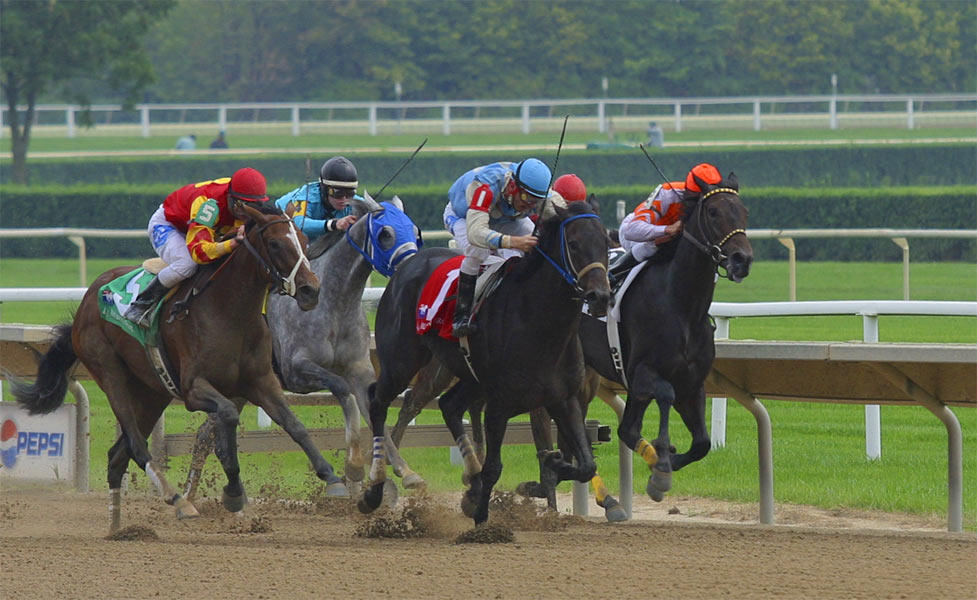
[436, 306]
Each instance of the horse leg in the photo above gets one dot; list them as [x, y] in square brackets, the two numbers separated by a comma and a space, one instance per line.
[539, 420]
[647, 384]
[453, 404]
[478, 432]
[693, 414]
[495, 426]
[267, 393]
[429, 382]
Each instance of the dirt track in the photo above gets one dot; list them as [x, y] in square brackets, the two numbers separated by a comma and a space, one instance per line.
[53, 545]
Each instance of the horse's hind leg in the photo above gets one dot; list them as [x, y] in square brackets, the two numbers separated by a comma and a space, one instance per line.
[693, 414]
[539, 420]
[647, 384]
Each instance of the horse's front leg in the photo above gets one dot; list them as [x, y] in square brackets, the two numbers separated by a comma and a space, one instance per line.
[495, 426]
[646, 383]
[266, 393]
[201, 395]
[381, 394]
[539, 421]
[693, 413]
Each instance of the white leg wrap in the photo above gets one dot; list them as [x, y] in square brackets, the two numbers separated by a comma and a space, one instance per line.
[378, 468]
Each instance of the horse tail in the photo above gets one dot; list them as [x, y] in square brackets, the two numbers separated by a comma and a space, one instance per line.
[48, 392]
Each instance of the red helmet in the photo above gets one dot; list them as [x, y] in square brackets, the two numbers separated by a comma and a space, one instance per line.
[570, 187]
[249, 185]
[705, 172]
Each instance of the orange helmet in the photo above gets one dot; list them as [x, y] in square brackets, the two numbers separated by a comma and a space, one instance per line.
[570, 187]
[249, 185]
[706, 173]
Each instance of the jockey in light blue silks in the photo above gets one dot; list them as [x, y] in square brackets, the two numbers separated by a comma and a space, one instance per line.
[324, 205]
[488, 213]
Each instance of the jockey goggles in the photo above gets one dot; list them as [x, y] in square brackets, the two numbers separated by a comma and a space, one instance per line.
[337, 192]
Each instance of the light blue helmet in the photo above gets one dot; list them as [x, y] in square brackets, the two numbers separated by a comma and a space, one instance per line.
[533, 176]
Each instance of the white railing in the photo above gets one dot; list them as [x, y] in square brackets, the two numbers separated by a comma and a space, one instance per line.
[784, 236]
[461, 116]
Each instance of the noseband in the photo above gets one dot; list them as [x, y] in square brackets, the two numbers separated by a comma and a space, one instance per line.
[571, 274]
[713, 250]
[284, 285]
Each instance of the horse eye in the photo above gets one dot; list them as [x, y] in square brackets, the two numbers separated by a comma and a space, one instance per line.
[387, 237]
[712, 211]
[274, 245]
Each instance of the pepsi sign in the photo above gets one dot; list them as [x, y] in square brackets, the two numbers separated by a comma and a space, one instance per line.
[37, 447]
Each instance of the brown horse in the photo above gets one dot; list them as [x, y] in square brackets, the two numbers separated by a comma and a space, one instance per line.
[220, 350]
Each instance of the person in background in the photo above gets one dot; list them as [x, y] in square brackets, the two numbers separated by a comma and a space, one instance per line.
[187, 142]
[488, 213]
[656, 136]
[219, 142]
[185, 228]
[324, 205]
[658, 219]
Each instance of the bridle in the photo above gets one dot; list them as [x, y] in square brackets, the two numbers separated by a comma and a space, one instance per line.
[283, 285]
[712, 249]
[570, 273]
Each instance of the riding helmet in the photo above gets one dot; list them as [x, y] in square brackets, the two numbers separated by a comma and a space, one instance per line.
[703, 172]
[534, 177]
[338, 172]
[249, 185]
[570, 187]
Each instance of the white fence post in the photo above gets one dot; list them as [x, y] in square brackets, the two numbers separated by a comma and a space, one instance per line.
[717, 432]
[873, 420]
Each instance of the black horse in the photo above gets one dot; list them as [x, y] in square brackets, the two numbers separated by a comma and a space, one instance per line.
[526, 353]
[666, 335]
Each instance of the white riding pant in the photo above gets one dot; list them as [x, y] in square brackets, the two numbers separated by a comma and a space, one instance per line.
[171, 245]
[476, 255]
[640, 250]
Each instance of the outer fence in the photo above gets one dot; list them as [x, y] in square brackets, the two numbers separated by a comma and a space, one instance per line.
[900, 237]
[930, 375]
[594, 114]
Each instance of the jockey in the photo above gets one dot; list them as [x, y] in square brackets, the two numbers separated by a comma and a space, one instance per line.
[658, 219]
[325, 205]
[571, 187]
[488, 213]
[185, 228]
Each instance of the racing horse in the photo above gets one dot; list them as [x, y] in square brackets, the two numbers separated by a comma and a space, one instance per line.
[219, 347]
[666, 335]
[328, 347]
[525, 355]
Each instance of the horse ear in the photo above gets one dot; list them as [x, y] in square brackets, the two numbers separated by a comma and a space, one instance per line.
[732, 181]
[396, 201]
[594, 204]
[290, 210]
[371, 204]
[246, 211]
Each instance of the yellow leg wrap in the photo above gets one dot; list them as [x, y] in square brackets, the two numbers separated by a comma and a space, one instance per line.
[600, 490]
[646, 451]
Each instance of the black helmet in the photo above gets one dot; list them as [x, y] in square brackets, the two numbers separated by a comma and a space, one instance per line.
[338, 172]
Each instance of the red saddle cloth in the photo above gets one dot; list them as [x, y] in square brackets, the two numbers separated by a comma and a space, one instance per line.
[436, 308]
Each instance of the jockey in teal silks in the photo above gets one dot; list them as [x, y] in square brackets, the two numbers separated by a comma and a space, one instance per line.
[488, 213]
[324, 205]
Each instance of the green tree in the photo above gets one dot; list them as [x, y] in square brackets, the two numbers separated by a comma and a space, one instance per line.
[52, 44]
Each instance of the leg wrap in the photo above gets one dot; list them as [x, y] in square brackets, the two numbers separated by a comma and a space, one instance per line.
[600, 490]
[646, 451]
[378, 468]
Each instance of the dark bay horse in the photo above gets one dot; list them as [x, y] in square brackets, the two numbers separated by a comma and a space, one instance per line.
[526, 353]
[666, 335]
[328, 347]
[220, 351]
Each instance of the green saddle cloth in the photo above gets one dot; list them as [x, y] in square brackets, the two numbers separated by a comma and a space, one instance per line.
[115, 298]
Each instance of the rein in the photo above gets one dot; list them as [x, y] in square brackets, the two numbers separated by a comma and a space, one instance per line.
[713, 250]
[284, 285]
[567, 270]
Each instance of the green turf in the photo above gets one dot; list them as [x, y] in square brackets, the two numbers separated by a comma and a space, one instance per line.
[819, 449]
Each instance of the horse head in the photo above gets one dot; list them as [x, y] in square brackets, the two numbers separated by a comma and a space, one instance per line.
[386, 237]
[279, 248]
[576, 235]
[716, 225]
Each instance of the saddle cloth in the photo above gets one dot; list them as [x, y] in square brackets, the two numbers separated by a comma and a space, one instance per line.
[115, 298]
[436, 306]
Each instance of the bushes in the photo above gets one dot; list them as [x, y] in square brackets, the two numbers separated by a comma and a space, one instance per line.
[955, 207]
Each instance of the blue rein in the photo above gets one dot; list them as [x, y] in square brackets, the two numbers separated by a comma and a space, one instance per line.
[564, 270]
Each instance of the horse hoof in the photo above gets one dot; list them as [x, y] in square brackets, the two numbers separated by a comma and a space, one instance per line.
[234, 504]
[337, 489]
[354, 473]
[613, 511]
[531, 489]
[413, 481]
[468, 507]
[185, 509]
[371, 498]
[658, 484]
[390, 493]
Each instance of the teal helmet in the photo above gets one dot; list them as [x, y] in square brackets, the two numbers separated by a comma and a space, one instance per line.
[534, 177]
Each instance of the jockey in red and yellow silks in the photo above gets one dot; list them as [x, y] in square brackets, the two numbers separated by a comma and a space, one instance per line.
[185, 228]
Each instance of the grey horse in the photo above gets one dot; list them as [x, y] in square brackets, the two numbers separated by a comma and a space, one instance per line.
[329, 347]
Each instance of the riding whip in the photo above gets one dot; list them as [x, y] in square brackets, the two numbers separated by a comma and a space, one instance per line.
[665, 179]
[410, 158]
[556, 161]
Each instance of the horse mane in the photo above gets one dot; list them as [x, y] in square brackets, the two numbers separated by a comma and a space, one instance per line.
[549, 230]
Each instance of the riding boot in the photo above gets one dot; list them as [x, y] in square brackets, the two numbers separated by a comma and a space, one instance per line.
[141, 310]
[620, 267]
[461, 324]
